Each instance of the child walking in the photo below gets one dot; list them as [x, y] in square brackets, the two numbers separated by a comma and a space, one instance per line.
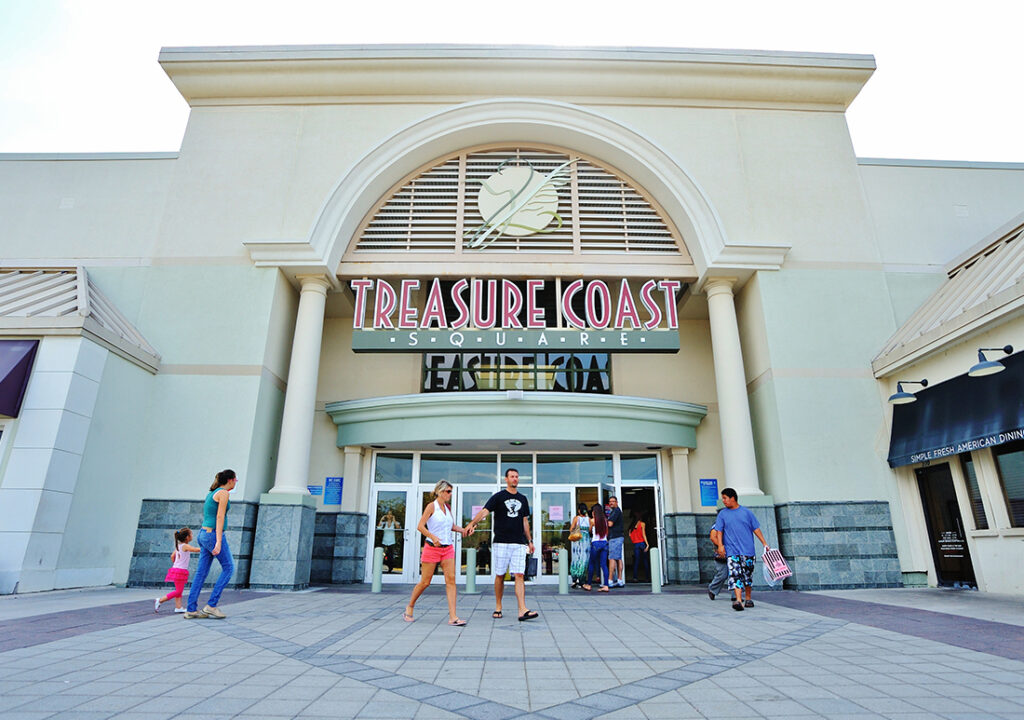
[178, 572]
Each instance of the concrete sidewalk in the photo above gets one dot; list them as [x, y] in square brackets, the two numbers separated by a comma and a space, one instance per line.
[344, 652]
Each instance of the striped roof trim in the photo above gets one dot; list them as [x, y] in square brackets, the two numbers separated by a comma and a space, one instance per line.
[984, 285]
[54, 301]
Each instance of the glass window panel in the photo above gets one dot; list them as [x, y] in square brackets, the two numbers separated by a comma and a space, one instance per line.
[639, 467]
[974, 492]
[470, 502]
[574, 469]
[522, 463]
[1010, 463]
[559, 372]
[457, 469]
[393, 469]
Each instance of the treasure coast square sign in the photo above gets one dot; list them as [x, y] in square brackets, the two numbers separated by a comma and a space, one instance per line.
[499, 314]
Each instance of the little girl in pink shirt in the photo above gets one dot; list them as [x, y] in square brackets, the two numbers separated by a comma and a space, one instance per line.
[178, 572]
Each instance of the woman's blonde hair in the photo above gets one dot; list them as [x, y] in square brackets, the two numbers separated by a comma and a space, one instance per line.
[441, 485]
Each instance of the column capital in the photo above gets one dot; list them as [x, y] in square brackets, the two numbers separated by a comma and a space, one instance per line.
[718, 286]
[680, 451]
[318, 282]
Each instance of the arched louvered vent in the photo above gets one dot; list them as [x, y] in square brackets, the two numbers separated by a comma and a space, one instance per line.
[517, 200]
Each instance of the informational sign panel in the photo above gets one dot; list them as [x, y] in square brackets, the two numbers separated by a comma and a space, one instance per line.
[555, 513]
[476, 509]
[332, 490]
[708, 492]
[315, 489]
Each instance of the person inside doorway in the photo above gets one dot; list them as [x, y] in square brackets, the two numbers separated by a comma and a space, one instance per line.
[616, 537]
[638, 536]
[512, 537]
[737, 525]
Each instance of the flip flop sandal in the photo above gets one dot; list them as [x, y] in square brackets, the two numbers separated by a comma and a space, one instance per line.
[586, 587]
[528, 615]
[407, 617]
[457, 622]
[604, 589]
[496, 614]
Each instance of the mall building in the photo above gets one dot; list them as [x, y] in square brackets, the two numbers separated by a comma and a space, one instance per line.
[649, 273]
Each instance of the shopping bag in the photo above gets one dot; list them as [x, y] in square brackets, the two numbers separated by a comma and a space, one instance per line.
[531, 567]
[775, 567]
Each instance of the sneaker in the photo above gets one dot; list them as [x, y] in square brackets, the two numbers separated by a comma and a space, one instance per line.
[711, 595]
[214, 612]
[179, 610]
[622, 583]
[197, 615]
[156, 605]
[748, 603]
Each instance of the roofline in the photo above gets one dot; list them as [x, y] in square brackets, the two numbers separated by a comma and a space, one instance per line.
[19, 157]
[406, 73]
[1010, 226]
[964, 164]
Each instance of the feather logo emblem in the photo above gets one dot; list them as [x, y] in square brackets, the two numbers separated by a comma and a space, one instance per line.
[518, 201]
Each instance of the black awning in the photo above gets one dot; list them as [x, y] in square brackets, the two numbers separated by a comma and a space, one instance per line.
[960, 415]
[16, 358]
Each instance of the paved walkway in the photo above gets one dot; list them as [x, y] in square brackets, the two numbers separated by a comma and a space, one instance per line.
[347, 653]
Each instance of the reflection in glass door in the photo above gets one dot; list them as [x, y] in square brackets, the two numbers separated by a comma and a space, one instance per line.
[556, 513]
[391, 532]
[469, 502]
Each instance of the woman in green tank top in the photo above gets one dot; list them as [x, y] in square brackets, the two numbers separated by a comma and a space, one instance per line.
[213, 544]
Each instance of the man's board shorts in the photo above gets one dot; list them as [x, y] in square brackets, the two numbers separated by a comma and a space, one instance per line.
[510, 557]
[741, 571]
[615, 548]
[434, 554]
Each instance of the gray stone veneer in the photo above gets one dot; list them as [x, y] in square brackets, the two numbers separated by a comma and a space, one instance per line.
[828, 545]
[282, 553]
[832, 545]
[339, 548]
[154, 540]
[681, 547]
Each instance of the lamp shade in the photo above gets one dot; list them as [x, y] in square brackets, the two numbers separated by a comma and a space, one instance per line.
[986, 367]
[902, 398]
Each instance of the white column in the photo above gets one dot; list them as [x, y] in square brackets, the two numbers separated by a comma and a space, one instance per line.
[682, 493]
[300, 398]
[733, 407]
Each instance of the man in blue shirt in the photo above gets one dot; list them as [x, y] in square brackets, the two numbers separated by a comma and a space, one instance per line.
[736, 526]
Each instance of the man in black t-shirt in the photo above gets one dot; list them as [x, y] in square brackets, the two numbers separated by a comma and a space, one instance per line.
[511, 537]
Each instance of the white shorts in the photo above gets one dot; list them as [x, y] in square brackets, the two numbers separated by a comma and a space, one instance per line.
[509, 557]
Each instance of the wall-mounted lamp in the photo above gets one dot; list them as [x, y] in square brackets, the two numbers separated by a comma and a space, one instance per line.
[902, 398]
[988, 367]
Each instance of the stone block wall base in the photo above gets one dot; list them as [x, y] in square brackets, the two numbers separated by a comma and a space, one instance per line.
[836, 545]
[154, 540]
[283, 545]
[915, 579]
[339, 548]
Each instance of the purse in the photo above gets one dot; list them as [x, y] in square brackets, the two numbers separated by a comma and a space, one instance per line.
[575, 536]
[531, 567]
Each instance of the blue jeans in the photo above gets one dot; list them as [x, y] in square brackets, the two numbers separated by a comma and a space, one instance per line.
[598, 559]
[641, 559]
[207, 541]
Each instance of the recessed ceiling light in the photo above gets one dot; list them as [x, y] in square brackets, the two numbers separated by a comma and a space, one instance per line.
[654, 447]
[590, 444]
[378, 447]
[516, 442]
[442, 444]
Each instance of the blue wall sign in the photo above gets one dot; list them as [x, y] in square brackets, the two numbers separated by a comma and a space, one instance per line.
[332, 490]
[708, 492]
[315, 489]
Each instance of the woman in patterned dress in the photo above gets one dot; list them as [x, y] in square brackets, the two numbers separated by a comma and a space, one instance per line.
[581, 547]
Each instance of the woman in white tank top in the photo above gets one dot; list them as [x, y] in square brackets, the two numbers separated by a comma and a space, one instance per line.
[438, 526]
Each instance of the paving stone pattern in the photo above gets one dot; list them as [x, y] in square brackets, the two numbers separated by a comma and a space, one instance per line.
[347, 653]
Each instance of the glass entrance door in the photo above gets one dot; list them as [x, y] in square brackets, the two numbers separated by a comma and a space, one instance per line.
[469, 501]
[393, 526]
[945, 526]
[554, 516]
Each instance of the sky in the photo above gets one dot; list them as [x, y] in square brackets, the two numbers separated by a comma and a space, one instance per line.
[82, 75]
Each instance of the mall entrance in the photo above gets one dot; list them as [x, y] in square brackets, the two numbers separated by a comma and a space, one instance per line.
[554, 484]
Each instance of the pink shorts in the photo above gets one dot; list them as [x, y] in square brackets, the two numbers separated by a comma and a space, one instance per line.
[433, 554]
